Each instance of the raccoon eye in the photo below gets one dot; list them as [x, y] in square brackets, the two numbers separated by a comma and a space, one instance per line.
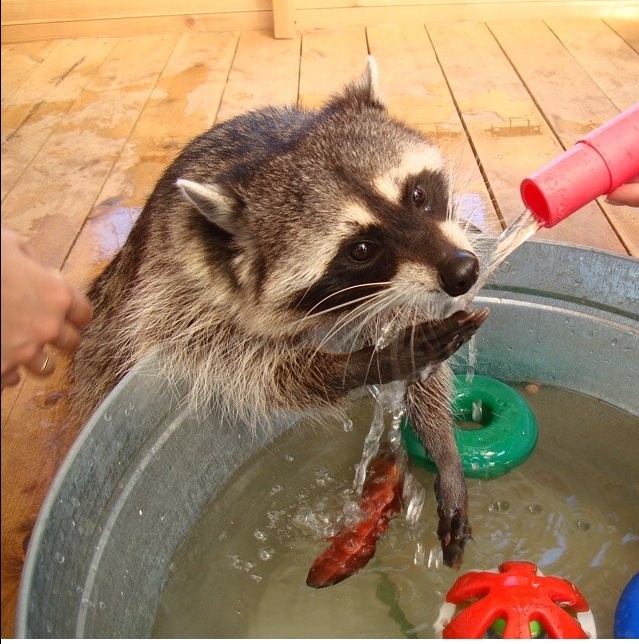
[419, 198]
[362, 251]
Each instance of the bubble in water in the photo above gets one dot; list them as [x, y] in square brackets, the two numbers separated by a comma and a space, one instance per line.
[259, 535]
[266, 553]
[352, 513]
[289, 458]
[276, 489]
[102, 605]
[348, 425]
[59, 557]
[323, 476]
[534, 509]
[499, 506]
[582, 525]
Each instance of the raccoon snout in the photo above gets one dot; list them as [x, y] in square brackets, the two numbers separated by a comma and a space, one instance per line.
[459, 273]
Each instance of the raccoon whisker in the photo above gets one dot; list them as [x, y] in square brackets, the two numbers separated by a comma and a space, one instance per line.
[311, 314]
[383, 306]
[369, 307]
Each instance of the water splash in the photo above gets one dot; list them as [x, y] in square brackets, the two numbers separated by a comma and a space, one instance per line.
[388, 398]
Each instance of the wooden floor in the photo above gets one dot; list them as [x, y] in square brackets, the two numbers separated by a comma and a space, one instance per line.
[89, 124]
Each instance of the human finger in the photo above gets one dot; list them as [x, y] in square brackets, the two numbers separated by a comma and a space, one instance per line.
[625, 195]
[68, 338]
[80, 311]
[41, 364]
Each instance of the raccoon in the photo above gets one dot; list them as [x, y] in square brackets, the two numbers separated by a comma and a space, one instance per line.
[275, 254]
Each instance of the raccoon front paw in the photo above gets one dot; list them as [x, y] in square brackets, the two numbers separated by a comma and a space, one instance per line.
[453, 532]
[432, 342]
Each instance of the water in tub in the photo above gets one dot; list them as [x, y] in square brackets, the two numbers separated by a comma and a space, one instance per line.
[571, 509]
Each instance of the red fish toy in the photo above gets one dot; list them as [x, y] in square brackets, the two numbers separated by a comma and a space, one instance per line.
[353, 548]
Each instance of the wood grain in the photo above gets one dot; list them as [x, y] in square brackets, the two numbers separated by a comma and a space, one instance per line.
[511, 136]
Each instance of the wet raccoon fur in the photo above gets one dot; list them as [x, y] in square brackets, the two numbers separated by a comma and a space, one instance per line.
[273, 255]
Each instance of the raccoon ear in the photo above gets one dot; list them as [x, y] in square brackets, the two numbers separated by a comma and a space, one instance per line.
[213, 201]
[365, 91]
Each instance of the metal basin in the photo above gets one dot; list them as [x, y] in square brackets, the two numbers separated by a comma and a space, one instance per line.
[99, 556]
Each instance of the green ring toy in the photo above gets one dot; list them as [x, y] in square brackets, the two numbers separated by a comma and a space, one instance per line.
[505, 437]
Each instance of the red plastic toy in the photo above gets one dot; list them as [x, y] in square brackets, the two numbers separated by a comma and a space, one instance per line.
[597, 164]
[516, 602]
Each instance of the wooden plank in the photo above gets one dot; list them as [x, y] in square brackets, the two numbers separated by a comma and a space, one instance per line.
[24, 11]
[612, 64]
[53, 197]
[508, 132]
[19, 60]
[330, 59]
[182, 105]
[31, 114]
[265, 71]
[571, 101]
[121, 27]
[628, 28]
[350, 16]
[418, 94]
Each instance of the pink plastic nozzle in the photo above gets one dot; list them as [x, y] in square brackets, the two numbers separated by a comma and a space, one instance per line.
[597, 164]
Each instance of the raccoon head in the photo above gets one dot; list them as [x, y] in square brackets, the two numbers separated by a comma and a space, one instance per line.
[352, 211]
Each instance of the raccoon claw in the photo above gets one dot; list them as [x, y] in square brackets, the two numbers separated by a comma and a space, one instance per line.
[453, 532]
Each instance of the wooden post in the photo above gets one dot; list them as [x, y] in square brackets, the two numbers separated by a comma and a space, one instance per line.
[283, 21]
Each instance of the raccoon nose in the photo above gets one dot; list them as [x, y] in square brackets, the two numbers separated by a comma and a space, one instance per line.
[459, 273]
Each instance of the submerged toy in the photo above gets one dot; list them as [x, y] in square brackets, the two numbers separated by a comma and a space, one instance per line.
[353, 548]
[505, 438]
[626, 624]
[515, 602]
[597, 164]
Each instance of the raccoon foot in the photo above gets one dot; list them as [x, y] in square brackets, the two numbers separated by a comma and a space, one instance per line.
[453, 532]
[431, 342]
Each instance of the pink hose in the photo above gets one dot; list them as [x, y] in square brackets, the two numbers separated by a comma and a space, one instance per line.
[597, 164]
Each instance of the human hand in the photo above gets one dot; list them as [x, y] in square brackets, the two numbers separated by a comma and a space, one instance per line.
[625, 195]
[38, 308]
